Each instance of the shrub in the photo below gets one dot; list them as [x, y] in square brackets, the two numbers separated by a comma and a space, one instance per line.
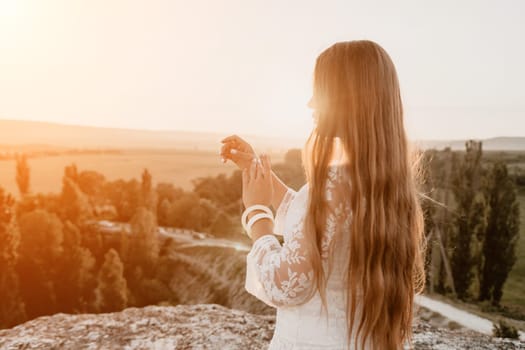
[504, 330]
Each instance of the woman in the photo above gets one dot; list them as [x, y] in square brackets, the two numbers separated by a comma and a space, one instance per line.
[352, 258]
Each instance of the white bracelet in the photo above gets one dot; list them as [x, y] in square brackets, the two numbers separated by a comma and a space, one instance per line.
[252, 208]
[254, 219]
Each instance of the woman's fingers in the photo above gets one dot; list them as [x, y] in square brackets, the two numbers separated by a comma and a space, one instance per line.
[225, 151]
[228, 138]
[245, 156]
[266, 165]
[237, 155]
[228, 151]
[237, 142]
[226, 148]
[233, 138]
[244, 177]
[253, 170]
[260, 168]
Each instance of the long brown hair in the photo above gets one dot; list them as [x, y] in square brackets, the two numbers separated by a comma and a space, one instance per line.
[358, 101]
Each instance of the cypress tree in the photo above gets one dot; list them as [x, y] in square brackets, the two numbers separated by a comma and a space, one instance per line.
[111, 292]
[12, 308]
[470, 218]
[22, 175]
[501, 234]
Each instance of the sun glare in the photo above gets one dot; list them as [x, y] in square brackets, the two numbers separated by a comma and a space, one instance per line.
[8, 8]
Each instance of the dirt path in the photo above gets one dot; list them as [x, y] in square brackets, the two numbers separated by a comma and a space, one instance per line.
[462, 317]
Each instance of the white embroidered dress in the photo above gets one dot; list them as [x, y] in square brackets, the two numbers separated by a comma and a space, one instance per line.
[282, 276]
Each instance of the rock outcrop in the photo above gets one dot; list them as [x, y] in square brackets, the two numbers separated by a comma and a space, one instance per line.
[205, 326]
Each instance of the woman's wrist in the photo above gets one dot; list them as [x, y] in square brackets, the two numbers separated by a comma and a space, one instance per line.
[253, 213]
[261, 227]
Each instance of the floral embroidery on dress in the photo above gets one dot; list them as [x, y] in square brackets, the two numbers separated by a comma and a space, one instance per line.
[285, 272]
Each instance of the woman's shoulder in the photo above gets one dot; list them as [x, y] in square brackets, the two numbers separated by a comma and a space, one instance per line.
[335, 172]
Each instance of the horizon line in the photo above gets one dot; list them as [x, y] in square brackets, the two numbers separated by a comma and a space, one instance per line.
[218, 132]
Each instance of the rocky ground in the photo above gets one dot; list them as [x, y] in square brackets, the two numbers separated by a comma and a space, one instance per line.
[205, 326]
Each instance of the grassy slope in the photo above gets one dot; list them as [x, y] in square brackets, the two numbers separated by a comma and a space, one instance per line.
[213, 275]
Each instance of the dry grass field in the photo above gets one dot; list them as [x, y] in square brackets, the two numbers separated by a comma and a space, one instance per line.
[173, 166]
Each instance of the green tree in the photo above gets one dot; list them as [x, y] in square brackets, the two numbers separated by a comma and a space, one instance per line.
[75, 204]
[291, 171]
[221, 190]
[179, 215]
[222, 226]
[201, 215]
[125, 196]
[144, 240]
[470, 219]
[12, 308]
[501, 234]
[75, 279]
[22, 174]
[71, 172]
[148, 195]
[164, 212]
[439, 219]
[41, 238]
[111, 292]
[168, 191]
[30, 202]
[91, 182]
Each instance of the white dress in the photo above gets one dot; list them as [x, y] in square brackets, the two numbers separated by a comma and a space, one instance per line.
[281, 276]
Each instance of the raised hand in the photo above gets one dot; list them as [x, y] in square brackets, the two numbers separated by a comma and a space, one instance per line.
[238, 151]
[257, 186]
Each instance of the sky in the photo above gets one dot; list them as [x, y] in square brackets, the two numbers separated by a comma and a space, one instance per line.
[245, 66]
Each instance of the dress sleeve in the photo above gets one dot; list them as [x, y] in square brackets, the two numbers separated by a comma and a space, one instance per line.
[283, 275]
[280, 212]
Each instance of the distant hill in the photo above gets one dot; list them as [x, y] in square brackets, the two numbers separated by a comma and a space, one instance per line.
[492, 144]
[33, 133]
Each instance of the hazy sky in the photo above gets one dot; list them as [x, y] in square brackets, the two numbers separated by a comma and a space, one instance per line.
[246, 66]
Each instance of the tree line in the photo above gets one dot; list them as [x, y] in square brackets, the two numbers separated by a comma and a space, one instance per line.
[472, 223]
[52, 260]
